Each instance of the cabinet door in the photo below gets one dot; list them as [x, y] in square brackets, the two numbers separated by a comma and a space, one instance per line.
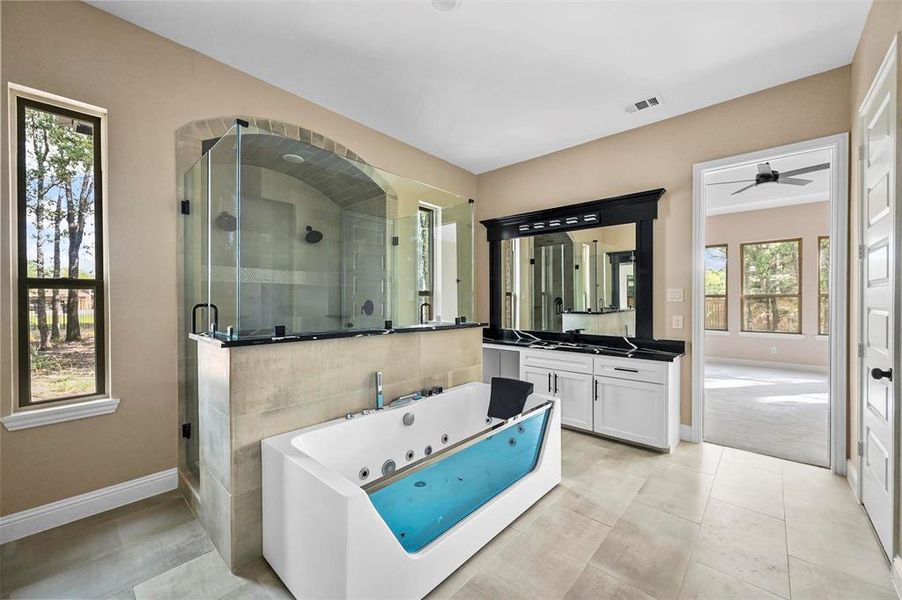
[632, 410]
[575, 392]
[540, 378]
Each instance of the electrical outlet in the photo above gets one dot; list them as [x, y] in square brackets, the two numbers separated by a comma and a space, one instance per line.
[773, 349]
[677, 321]
[675, 295]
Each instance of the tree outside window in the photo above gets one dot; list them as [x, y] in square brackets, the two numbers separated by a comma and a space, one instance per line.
[60, 286]
[823, 285]
[716, 287]
[771, 286]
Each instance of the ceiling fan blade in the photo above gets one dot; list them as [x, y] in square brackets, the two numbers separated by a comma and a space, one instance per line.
[793, 180]
[804, 170]
[743, 189]
[764, 169]
[726, 182]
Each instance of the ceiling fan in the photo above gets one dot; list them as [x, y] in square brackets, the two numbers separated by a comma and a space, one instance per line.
[768, 175]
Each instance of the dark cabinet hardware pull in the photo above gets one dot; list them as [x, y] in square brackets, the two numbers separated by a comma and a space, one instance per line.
[596, 390]
[549, 382]
[555, 383]
[625, 369]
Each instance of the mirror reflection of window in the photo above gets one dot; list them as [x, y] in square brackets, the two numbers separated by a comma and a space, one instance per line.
[562, 281]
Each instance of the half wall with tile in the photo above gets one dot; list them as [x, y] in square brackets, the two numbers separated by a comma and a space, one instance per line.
[248, 393]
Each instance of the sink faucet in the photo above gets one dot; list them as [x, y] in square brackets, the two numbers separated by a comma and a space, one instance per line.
[574, 334]
[626, 332]
[380, 397]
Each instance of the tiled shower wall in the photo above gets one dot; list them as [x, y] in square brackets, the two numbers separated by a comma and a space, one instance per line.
[249, 393]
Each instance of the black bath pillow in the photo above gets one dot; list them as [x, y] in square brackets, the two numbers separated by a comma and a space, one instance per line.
[508, 397]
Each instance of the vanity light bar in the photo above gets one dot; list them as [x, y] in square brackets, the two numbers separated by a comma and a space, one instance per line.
[591, 218]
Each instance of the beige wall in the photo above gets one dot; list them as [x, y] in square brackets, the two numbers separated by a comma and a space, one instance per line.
[662, 155]
[151, 87]
[806, 221]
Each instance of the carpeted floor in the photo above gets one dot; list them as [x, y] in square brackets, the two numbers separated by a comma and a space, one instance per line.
[780, 412]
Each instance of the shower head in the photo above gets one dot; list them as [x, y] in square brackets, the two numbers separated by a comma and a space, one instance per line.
[312, 236]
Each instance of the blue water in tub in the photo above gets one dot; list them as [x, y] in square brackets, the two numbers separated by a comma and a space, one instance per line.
[423, 505]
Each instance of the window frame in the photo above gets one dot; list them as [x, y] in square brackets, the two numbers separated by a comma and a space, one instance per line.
[743, 296]
[726, 294]
[825, 295]
[24, 283]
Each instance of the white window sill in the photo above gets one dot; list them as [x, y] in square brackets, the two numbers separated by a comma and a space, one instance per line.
[716, 332]
[822, 338]
[39, 417]
[764, 334]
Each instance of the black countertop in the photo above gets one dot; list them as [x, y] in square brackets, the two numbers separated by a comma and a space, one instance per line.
[659, 350]
[326, 335]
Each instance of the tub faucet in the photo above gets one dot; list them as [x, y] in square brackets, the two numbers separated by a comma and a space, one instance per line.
[425, 312]
[380, 397]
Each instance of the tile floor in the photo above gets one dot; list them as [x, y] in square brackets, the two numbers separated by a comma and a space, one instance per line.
[703, 522]
[780, 412]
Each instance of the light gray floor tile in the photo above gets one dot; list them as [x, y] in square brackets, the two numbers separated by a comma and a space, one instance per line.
[594, 584]
[538, 509]
[579, 451]
[749, 488]
[744, 544]
[205, 577]
[677, 490]
[811, 582]
[545, 560]
[751, 459]
[631, 459]
[704, 457]
[648, 549]
[705, 583]
[601, 493]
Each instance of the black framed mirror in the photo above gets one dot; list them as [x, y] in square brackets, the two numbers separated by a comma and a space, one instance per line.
[585, 267]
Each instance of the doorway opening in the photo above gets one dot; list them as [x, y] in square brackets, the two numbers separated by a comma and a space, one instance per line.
[769, 302]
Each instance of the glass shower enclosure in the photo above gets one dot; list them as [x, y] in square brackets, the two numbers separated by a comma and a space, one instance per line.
[285, 238]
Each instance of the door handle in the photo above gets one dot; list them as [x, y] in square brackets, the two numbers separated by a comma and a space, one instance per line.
[549, 382]
[880, 374]
[555, 383]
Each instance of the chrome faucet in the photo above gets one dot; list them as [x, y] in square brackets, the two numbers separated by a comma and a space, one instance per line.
[380, 397]
[626, 332]
[425, 313]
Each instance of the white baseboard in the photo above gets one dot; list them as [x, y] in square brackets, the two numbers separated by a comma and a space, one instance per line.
[852, 478]
[41, 518]
[685, 432]
[769, 364]
[897, 575]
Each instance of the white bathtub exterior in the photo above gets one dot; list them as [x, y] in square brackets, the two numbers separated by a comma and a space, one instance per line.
[323, 536]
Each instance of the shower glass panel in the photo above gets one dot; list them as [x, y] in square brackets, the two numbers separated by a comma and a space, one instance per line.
[307, 240]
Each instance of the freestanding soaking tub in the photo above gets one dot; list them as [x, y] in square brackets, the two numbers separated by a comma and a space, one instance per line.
[389, 504]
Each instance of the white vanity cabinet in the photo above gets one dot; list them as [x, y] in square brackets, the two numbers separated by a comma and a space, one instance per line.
[625, 398]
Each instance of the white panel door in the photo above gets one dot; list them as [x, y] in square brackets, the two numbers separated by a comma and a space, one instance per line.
[575, 392]
[540, 378]
[878, 269]
[632, 410]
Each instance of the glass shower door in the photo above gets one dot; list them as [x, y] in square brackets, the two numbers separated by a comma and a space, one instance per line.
[194, 230]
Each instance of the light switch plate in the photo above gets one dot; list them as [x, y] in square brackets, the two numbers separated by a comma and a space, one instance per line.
[675, 295]
[677, 321]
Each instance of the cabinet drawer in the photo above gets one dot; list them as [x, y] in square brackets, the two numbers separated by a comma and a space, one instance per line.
[632, 369]
[562, 361]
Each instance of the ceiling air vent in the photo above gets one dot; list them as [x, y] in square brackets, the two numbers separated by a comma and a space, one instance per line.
[643, 104]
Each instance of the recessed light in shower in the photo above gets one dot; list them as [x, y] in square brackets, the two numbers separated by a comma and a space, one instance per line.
[293, 158]
[445, 5]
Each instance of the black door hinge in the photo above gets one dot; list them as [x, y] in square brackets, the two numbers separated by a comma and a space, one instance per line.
[185, 207]
[186, 431]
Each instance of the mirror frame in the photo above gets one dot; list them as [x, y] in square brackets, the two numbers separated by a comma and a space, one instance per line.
[640, 208]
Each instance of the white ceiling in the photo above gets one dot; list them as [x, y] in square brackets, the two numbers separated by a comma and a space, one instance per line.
[493, 83]
[719, 199]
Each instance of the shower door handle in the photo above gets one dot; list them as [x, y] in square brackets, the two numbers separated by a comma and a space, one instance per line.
[194, 314]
